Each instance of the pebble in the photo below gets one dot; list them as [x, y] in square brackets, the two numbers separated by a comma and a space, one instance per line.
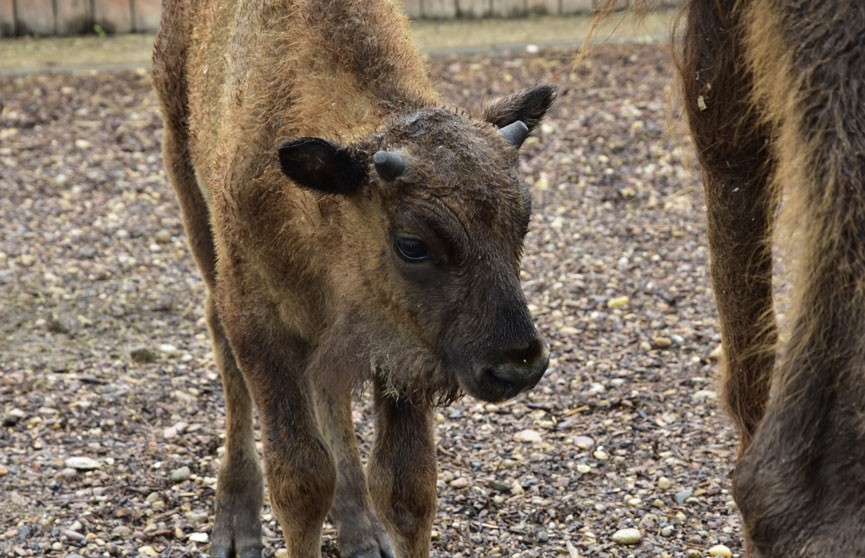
[142, 355]
[627, 536]
[459, 482]
[664, 483]
[618, 302]
[584, 442]
[4, 470]
[180, 474]
[162, 236]
[703, 395]
[81, 463]
[68, 473]
[198, 537]
[666, 531]
[662, 342]
[683, 495]
[148, 550]
[717, 353]
[601, 455]
[281, 553]
[528, 436]
[693, 553]
[13, 417]
[583, 468]
[720, 550]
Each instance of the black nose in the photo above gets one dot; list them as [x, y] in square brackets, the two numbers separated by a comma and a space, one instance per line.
[518, 369]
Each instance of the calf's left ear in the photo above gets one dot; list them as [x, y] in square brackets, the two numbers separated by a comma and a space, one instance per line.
[527, 106]
[321, 165]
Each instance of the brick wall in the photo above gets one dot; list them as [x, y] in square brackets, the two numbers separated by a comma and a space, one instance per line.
[70, 17]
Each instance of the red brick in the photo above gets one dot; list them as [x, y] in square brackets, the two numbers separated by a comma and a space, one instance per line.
[113, 16]
[35, 17]
[7, 18]
[146, 14]
[73, 17]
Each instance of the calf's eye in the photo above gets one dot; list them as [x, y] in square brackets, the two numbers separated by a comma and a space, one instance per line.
[411, 250]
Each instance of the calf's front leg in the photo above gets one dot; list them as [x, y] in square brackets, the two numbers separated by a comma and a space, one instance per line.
[300, 470]
[402, 472]
[361, 534]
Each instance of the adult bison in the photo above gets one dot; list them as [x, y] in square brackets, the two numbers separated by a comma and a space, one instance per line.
[348, 228]
[775, 96]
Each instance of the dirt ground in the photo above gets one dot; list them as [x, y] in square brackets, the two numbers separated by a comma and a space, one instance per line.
[110, 403]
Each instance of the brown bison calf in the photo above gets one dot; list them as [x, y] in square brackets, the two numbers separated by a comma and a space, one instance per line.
[348, 228]
[775, 93]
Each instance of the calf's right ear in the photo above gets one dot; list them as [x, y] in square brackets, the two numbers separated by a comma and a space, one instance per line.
[321, 165]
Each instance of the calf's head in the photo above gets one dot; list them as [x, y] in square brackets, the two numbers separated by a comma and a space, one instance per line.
[432, 213]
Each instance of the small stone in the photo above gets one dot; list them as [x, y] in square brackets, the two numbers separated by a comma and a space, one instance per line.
[627, 536]
[666, 531]
[142, 355]
[4, 470]
[584, 442]
[81, 463]
[662, 342]
[720, 550]
[148, 550]
[198, 537]
[459, 483]
[167, 348]
[162, 236]
[633, 502]
[693, 553]
[618, 302]
[543, 537]
[26, 260]
[528, 436]
[717, 353]
[583, 468]
[517, 489]
[683, 495]
[703, 395]
[13, 417]
[281, 553]
[121, 532]
[180, 474]
[600, 455]
[67, 473]
[663, 483]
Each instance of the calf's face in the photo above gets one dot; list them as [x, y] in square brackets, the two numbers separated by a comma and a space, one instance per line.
[437, 214]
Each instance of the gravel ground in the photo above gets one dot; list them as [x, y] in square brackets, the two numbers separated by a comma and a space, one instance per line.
[111, 406]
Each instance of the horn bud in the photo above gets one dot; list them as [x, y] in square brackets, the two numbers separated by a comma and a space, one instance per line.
[516, 133]
[389, 165]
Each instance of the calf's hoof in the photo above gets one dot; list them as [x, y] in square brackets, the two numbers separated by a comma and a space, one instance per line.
[373, 545]
[232, 551]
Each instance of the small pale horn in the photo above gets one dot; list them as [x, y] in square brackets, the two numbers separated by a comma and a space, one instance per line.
[389, 164]
[516, 133]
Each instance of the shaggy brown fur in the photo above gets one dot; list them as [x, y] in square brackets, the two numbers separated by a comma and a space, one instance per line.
[775, 94]
[327, 265]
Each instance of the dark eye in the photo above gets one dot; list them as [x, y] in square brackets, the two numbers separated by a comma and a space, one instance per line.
[411, 250]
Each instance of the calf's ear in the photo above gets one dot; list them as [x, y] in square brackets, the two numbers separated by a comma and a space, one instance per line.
[321, 165]
[527, 106]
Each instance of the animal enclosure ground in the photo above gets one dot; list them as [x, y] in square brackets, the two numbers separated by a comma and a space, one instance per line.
[104, 354]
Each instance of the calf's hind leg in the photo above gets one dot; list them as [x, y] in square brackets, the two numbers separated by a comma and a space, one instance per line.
[402, 473]
[237, 529]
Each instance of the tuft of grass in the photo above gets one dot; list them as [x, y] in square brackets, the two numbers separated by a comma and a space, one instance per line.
[99, 31]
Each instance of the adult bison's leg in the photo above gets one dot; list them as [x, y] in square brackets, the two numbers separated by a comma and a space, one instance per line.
[361, 534]
[402, 473]
[732, 144]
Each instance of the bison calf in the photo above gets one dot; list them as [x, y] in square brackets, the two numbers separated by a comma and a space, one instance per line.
[348, 228]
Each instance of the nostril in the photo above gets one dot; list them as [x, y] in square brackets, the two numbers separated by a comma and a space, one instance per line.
[527, 355]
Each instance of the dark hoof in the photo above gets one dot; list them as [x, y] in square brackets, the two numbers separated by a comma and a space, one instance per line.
[219, 551]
